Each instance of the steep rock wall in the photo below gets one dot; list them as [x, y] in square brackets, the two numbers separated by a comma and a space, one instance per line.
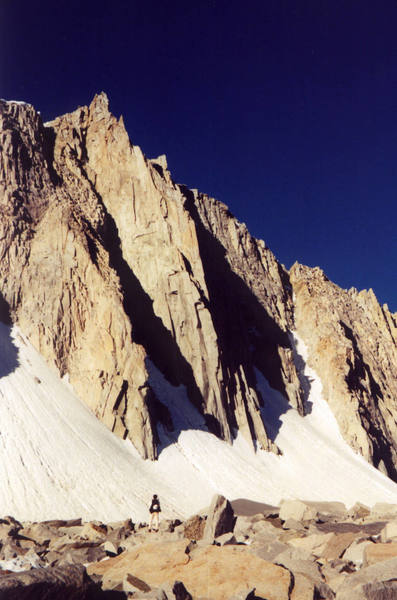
[57, 279]
[106, 263]
[352, 343]
[117, 264]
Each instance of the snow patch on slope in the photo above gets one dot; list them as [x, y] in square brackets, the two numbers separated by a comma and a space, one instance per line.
[317, 463]
[58, 461]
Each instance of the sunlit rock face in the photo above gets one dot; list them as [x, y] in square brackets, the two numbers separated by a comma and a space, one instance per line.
[57, 276]
[352, 343]
[106, 262]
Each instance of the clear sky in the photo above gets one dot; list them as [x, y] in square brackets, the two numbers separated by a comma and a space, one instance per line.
[284, 110]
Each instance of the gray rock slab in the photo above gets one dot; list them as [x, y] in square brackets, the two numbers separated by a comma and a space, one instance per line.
[353, 587]
[268, 551]
[220, 519]
[355, 552]
[70, 581]
[305, 567]
[294, 524]
[296, 509]
[329, 509]
[384, 510]
[382, 590]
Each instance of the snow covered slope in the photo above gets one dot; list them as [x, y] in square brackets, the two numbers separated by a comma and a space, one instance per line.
[59, 461]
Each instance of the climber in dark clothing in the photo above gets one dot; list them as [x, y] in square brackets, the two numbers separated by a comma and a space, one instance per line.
[154, 510]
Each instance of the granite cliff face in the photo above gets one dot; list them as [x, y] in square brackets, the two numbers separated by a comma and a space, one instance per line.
[352, 343]
[109, 267]
[107, 263]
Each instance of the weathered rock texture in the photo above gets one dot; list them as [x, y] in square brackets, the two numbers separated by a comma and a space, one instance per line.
[106, 263]
[329, 555]
[352, 343]
[67, 583]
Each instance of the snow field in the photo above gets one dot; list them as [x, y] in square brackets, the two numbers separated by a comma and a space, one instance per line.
[59, 461]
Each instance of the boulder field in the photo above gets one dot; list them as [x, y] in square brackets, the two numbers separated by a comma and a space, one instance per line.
[236, 550]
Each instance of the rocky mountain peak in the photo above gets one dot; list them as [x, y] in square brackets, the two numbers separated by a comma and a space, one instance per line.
[100, 106]
[116, 274]
[128, 267]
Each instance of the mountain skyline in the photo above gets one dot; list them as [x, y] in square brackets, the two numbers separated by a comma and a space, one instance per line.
[143, 270]
[283, 112]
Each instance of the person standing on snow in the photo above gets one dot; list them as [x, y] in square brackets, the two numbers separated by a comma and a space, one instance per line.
[154, 513]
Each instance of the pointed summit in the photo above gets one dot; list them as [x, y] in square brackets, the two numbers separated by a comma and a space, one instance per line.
[100, 105]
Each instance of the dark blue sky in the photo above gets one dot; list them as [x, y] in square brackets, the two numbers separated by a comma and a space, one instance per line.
[286, 111]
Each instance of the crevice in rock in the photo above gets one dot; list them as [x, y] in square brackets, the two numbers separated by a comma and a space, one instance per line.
[120, 396]
[49, 136]
[5, 312]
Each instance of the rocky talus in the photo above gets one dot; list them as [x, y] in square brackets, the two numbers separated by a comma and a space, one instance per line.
[352, 343]
[230, 551]
[110, 267]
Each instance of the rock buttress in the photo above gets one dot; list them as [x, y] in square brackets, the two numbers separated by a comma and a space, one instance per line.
[352, 345]
[117, 264]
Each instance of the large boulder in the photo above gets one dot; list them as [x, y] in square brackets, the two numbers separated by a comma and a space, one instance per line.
[243, 527]
[380, 590]
[220, 519]
[263, 531]
[66, 583]
[297, 510]
[327, 510]
[154, 562]
[315, 544]
[389, 532]
[337, 545]
[375, 553]
[221, 572]
[355, 552]
[305, 567]
[384, 510]
[216, 572]
[361, 585]
[94, 532]
[359, 511]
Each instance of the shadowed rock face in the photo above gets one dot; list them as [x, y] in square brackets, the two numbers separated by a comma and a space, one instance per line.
[106, 262]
